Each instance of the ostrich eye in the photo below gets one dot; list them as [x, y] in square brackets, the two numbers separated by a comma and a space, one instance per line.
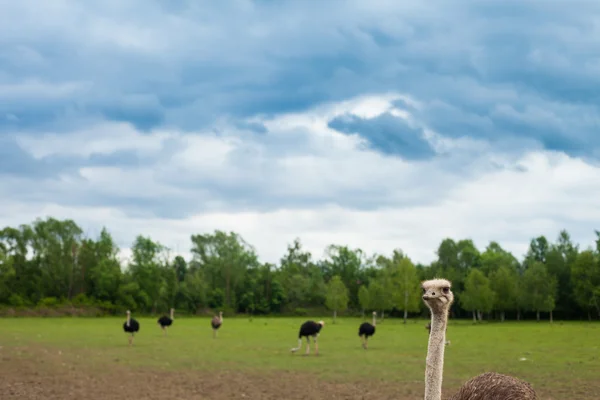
[445, 290]
[424, 290]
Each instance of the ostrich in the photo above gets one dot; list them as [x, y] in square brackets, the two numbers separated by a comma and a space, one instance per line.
[366, 329]
[216, 323]
[309, 328]
[165, 321]
[428, 327]
[488, 386]
[131, 326]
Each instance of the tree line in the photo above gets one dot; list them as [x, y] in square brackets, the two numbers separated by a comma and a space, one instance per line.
[50, 262]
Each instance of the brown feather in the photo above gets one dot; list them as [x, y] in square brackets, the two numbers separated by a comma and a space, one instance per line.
[495, 386]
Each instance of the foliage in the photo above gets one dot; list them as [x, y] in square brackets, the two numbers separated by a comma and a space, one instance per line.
[363, 298]
[337, 295]
[50, 263]
[478, 295]
[586, 278]
[503, 282]
[539, 288]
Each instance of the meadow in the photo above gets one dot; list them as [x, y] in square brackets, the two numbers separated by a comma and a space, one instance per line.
[71, 357]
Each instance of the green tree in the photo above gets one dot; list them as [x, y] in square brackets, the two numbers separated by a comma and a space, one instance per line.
[455, 260]
[388, 278]
[495, 257]
[559, 262]
[407, 287]
[298, 274]
[539, 289]
[337, 296]
[181, 268]
[363, 299]
[348, 265]
[146, 270]
[194, 290]
[538, 250]
[586, 281]
[503, 282]
[100, 267]
[478, 296]
[7, 274]
[53, 242]
[377, 297]
[224, 259]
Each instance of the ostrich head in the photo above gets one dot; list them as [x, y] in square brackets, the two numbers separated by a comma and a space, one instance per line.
[128, 312]
[322, 323]
[437, 295]
[374, 313]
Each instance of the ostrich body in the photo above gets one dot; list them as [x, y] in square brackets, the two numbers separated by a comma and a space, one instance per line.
[308, 329]
[366, 329]
[488, 386]
[131, 326]
[216, 323]
[165, 321]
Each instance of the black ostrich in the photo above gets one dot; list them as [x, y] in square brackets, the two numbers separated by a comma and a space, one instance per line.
[366, 329]
[216, 323]
[308, 329]
[131, 326]
[165, 321]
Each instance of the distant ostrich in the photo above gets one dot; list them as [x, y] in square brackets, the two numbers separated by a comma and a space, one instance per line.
[308, 329]
[366, 329]
[488, 386]
[165, 321]
[216, 323]
[131, 326]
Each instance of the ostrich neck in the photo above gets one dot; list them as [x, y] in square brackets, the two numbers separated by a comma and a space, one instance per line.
[128, 320]
[172, 314]
[374, 321]
[435, 356]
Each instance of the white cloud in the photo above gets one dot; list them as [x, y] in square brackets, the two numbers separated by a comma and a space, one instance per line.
[413, 205]
[35, 88]
[202, 153]
[509, 206]
[105, 138]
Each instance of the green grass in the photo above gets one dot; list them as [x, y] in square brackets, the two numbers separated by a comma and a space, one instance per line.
[557, 355]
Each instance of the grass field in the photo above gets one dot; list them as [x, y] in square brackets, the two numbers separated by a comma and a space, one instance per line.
[253, 359]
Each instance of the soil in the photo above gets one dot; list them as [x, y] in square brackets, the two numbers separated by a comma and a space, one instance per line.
[33, 373]
[39, 373]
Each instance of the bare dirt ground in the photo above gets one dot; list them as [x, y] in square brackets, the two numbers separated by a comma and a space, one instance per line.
[45, 373]
[38, 373]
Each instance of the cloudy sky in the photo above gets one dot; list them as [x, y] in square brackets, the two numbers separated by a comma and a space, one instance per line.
[381, 125]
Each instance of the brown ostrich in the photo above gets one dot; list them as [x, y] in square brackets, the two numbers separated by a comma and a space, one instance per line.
[216, 323]
[488, 386]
